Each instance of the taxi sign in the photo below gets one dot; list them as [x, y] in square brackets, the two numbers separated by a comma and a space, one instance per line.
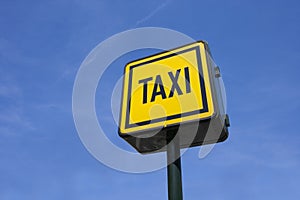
[166, 90]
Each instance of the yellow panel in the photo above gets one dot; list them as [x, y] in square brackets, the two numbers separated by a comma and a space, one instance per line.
[166, 89]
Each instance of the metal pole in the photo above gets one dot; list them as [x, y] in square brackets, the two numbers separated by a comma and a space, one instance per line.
[174, 170]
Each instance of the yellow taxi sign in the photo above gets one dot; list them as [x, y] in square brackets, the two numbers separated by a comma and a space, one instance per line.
[166, 89]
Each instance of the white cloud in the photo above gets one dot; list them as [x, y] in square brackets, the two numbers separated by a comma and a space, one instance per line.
[13, 54]
[12, 118]
[9, 91]
[151, 14]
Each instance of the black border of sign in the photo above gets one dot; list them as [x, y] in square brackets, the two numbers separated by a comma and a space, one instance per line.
[202, 87]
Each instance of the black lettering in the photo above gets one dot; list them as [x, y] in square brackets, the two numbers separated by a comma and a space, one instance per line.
[187, 80]
[145, 88]
[158, 83]
[175, 85]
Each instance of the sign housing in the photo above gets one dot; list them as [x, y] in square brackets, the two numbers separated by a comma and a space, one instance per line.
[173, 92]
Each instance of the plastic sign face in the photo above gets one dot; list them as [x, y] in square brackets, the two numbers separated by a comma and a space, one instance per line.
[166, 89]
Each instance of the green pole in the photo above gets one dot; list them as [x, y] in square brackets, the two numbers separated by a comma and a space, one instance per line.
[174, 170]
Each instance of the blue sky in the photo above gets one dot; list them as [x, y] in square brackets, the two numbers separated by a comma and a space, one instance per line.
[42, 44]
